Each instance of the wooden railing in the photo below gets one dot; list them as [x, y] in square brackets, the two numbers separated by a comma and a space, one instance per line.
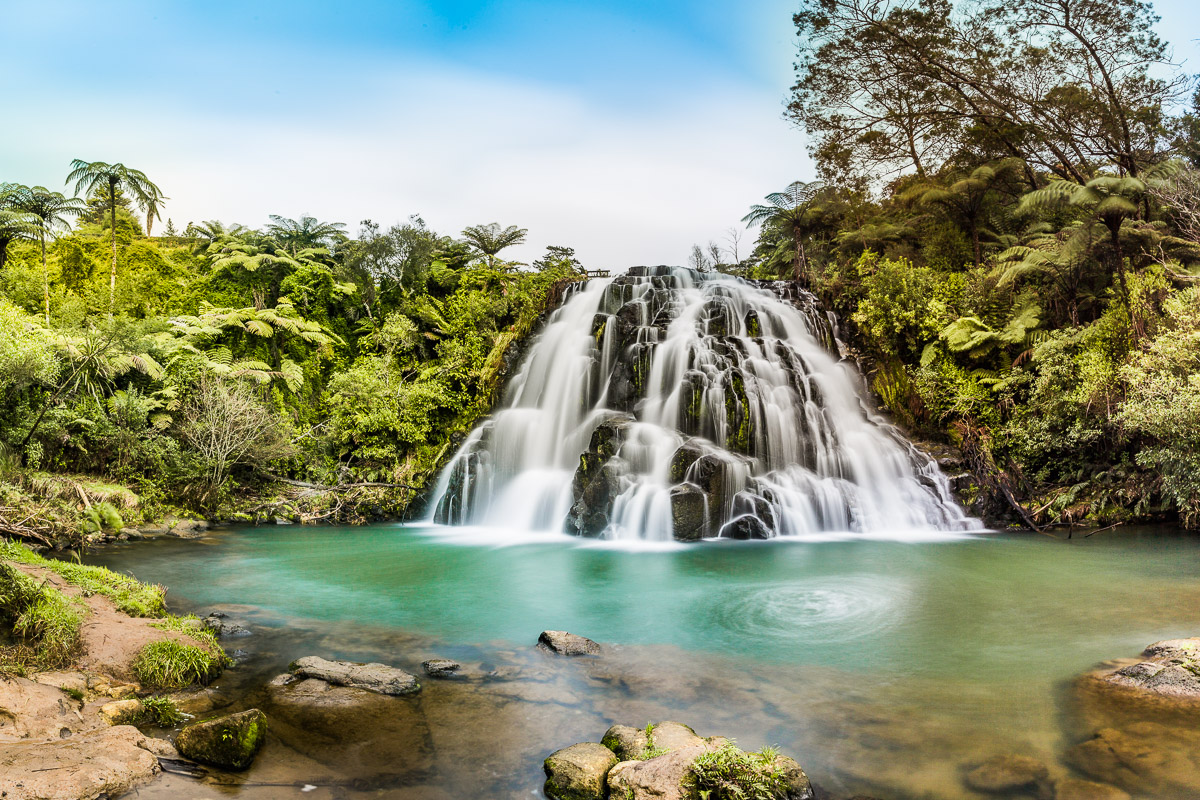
[596, 273]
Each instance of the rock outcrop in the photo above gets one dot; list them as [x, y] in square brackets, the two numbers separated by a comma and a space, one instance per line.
[667, 761]
[101, 763]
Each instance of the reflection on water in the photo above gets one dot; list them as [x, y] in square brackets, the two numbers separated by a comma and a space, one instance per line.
[885, 668]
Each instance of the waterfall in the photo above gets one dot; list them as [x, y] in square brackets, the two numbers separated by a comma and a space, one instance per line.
[671, 404]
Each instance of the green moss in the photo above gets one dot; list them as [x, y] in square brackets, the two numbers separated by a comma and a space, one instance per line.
[168, 664]
[230, 742]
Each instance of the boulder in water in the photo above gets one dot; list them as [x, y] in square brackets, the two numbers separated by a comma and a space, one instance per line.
[1010, 773]
[229, 742]
[578, 772]
[440, 667]
[689, 512]
[1076, 789]
[378, 678]
[567, 644]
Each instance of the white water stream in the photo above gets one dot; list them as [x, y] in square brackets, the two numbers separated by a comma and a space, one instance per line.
[666, 404]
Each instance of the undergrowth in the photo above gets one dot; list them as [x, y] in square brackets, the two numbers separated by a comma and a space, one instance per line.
[189, 624]
[733, 774]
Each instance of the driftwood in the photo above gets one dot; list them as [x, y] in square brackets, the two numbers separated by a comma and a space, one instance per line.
[341, 487]
[24, 527]
[979, 458]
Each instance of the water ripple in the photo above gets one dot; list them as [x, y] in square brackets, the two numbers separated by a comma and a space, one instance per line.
[818, 610]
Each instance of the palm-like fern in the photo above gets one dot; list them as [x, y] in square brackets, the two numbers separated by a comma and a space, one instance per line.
[14, 225]
[304, 233]
[488, 240]
[97, 176]
[1108, 199]
[795, 213]
[964, 199]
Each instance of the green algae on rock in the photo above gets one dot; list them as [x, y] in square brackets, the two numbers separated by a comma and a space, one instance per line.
[229, 742]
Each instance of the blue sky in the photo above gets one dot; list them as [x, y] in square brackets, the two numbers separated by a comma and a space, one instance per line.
[628, 130]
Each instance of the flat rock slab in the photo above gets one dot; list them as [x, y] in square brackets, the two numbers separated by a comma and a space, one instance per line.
[567, 644]
[1076, 789]
[1143, 758]
[31, 710]
[104, 763]
[578, 772]
[378, 678]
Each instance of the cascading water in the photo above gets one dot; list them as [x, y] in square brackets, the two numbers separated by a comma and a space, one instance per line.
[667, 403]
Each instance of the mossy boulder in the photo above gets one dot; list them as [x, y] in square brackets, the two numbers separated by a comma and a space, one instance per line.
[688, 513]
[627, 743]
[229, 742]
[578, 772]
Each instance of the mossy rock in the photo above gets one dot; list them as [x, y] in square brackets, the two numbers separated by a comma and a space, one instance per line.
[229, 742]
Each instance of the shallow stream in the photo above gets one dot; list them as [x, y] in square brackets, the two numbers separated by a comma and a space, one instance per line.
[885, 667]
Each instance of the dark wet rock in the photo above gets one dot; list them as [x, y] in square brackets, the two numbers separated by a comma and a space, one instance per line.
[378, 678]
[1076, 789]
[1143, 758]
[578, 772]
[567, 644]
[681, 462]
[689, 509]
[216, 622]
[745, 527]
[440, 667]
[597, 480]
[627, 743]
[1010, 773]
[229, 742]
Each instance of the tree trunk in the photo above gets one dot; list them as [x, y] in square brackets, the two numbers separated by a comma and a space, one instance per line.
[112, 274]
[1115, 233]
[45, 277]
[975, 242]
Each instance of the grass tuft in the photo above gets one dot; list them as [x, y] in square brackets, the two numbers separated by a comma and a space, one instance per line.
[189, 624]
[45, 619]
[161, 711]
[168, 664]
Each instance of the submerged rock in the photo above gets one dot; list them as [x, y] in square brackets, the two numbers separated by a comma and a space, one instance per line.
[1009, 773]
[1076, 789]
[229, 742]
[578, 772]
[378, 678]
[1143, 758]
[440, 667]
[567, 644]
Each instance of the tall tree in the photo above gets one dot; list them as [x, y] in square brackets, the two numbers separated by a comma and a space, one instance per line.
[490, 239]
[794, 212]
[51, 211]
[92, 176]
[889, 86]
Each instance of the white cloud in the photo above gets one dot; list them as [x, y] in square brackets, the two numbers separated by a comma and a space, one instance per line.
[622, 187]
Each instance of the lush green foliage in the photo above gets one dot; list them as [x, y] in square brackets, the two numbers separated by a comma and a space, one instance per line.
[730, 773]
[196, 368]
[41, 616]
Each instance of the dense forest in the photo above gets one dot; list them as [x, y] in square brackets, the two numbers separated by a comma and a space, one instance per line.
[1007, 222]
[291, 371]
